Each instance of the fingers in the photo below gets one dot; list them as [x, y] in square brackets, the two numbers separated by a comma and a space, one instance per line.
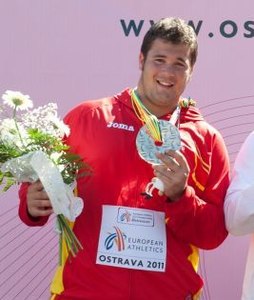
[175, 161]
[173, 172]
[38, 210]
[38, 203]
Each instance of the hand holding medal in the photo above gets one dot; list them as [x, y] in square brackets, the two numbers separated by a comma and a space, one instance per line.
[173, 172]
[156, 136]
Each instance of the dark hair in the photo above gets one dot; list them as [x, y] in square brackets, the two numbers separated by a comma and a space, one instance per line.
[173, 30]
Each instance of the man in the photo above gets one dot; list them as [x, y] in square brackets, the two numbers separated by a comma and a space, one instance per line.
[239, 207]
[150, 249]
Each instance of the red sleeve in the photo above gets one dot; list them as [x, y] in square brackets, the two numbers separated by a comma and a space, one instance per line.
[23, 212]
[200, 220]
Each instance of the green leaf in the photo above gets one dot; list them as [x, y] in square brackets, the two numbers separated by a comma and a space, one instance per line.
[10, 181]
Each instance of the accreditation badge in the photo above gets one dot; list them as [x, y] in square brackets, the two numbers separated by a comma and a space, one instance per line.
[132, 238]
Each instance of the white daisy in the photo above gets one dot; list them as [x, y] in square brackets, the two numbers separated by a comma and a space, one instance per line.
[58, 124]
[17, 100]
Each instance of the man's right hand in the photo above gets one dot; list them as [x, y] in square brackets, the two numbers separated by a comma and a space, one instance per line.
[38, 203]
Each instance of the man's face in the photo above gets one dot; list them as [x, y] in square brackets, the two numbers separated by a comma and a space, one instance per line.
[165, 73]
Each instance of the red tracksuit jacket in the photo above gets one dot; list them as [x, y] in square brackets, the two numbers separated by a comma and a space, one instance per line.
[104, 133]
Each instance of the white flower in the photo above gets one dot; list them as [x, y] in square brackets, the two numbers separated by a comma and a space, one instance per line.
[55, 157]
[58, 124]
[9, 133]
[8, 130]
[17, 100]
[44, 118]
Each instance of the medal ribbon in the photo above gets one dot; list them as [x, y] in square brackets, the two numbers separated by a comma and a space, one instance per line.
[149, 119]
[146, 117]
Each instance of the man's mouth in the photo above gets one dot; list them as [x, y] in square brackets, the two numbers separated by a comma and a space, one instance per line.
[167, 84]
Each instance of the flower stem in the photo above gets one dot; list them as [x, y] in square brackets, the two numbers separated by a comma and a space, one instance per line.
[16, 125]
[68, 237]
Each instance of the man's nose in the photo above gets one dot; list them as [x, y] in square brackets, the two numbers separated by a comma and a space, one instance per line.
[168, 68]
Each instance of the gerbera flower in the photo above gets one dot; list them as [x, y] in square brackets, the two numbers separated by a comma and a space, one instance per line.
[17, 100]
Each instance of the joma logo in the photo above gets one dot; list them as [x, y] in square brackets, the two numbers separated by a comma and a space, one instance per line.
[120, 126]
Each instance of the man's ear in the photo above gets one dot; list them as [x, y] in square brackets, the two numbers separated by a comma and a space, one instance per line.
[141, 61]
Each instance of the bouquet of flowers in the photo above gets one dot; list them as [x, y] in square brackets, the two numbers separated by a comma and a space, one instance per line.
[31, 149]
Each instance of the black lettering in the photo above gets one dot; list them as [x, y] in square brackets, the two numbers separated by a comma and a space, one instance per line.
[140, 264]
[114, 259]
[247, 26]
[160, 265]
[228, 23]
[102, 258]
[196, 28]
[120, 260]
[132, 26]
[228, 29]
[133, 262]
[148, 264]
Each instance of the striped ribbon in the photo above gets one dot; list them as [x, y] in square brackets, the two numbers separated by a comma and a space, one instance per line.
[146, 117]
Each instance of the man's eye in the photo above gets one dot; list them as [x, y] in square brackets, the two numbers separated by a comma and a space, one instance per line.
[159, 61]
[180, 65]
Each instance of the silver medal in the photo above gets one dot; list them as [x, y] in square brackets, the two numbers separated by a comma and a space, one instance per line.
[146, 146]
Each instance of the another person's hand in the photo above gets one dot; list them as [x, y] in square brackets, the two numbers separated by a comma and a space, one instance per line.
[173, 173]
[38, 203]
